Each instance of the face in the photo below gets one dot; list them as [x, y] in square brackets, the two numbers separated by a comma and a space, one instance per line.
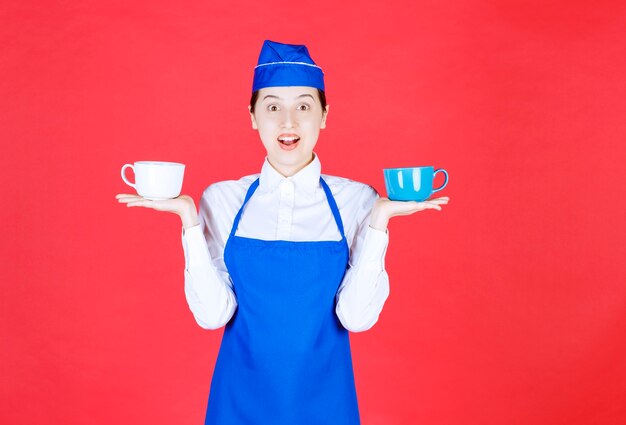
[289, 120]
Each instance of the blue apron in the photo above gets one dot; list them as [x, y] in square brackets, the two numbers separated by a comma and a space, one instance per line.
[285, 357]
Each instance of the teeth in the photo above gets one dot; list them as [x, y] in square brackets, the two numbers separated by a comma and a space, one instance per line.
[288, 139]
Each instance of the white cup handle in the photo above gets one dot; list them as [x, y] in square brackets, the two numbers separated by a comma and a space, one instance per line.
[124, 176]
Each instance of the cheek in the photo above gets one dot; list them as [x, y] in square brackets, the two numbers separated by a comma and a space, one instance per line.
[262, 125]
[267, 123]
[267, 136]
[313, 128]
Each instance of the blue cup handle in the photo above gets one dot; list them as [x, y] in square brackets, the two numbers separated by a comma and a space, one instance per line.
[445, 182]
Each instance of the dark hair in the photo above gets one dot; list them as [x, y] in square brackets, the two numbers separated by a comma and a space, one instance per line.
[320, 93]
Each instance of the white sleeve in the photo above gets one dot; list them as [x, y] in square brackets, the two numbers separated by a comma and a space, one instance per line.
[365, 286]
[208, 287]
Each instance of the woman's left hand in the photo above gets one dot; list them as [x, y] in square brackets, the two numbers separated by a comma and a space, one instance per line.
[384, 209]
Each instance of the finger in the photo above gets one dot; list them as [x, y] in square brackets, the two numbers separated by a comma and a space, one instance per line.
[430, 205]
[443, 199]
[434, 207]
[127, 195]
[127, 199]
[436, 201]
[146, 203]
[420, 206]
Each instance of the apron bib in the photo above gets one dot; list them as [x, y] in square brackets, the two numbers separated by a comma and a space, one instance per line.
[285, 357]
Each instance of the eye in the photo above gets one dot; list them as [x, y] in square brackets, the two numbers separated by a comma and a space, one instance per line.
[272, 108]
[304, 107]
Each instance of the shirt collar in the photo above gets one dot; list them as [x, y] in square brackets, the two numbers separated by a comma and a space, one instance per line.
[306, 180]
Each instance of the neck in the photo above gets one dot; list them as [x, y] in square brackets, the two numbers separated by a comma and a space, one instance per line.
[290, 170]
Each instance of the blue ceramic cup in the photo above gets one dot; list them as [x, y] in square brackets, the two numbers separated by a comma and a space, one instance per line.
[412, 183]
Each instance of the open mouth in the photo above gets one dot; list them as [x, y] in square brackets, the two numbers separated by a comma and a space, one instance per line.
[288, 141]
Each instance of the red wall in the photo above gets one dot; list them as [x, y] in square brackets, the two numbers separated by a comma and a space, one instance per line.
[507, 307]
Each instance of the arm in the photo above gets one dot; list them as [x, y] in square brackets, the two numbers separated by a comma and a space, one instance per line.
[208, 288]
[365, 286]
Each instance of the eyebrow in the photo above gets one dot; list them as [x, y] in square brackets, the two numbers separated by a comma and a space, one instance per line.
[276, 97]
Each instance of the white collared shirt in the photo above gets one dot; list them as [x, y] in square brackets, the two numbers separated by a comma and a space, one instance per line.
[286, 208]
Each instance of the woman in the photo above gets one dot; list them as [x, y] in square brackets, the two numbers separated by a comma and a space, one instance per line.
[289, 260]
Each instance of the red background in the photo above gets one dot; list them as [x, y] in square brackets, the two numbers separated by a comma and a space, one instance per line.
[507, 307]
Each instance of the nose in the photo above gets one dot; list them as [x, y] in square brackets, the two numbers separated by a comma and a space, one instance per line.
[288, 119]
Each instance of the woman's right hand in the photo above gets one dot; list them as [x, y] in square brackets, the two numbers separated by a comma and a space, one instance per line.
[183, 206]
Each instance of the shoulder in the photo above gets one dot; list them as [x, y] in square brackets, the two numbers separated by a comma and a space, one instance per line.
[228, 192]
[351, 191]
[342, 184]
[227, 187]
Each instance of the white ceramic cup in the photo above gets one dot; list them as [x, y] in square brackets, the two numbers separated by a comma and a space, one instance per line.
[155, 179]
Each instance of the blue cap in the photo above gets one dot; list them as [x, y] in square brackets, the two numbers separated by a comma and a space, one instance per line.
[286, 65]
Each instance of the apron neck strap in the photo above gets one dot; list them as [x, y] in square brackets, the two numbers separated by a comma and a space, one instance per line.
[251, 190]
[333, 206]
